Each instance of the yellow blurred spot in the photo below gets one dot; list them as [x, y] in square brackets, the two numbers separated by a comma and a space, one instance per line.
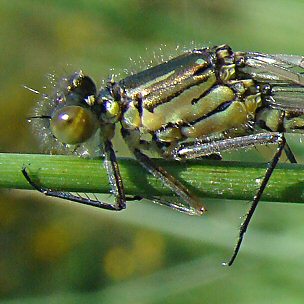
[145, 255]
[149, 250]
[119, 263]
[51, 243]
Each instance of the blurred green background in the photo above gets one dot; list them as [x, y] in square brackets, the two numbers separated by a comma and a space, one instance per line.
[53, 251]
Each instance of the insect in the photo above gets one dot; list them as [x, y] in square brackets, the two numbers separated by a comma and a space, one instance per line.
[200, 103]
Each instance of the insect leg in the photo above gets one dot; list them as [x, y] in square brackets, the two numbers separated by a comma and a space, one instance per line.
[257, 197]
[178, 188]
[289, 154]
[114, 179]
[195, 206]
[198, 150]
[66, 195]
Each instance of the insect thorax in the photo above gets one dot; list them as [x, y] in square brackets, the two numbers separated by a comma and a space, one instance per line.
[193, 96]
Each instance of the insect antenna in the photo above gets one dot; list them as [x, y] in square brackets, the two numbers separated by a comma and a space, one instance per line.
[31, 90]
[29, 119]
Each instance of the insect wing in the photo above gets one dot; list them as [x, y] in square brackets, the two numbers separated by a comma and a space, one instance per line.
[284, 75]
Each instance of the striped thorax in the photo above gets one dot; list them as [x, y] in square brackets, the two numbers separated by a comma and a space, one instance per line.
[193, 96]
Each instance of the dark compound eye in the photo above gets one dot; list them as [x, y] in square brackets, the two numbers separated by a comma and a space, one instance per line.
[77, 88]
[82, 85]
[73, 124]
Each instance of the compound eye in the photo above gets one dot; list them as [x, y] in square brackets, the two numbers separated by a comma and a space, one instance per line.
[73, 124]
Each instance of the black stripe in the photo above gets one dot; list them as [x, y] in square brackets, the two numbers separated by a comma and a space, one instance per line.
[176, 94]
[222, 107]
[195, 100]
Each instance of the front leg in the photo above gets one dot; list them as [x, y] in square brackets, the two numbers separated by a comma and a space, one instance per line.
[115, 181]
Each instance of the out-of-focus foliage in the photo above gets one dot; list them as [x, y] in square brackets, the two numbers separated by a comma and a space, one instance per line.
[53, 251]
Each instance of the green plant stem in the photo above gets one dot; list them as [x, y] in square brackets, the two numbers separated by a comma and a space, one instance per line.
[216, 179]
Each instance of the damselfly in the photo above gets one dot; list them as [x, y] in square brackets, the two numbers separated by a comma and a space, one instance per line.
[200, 103]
